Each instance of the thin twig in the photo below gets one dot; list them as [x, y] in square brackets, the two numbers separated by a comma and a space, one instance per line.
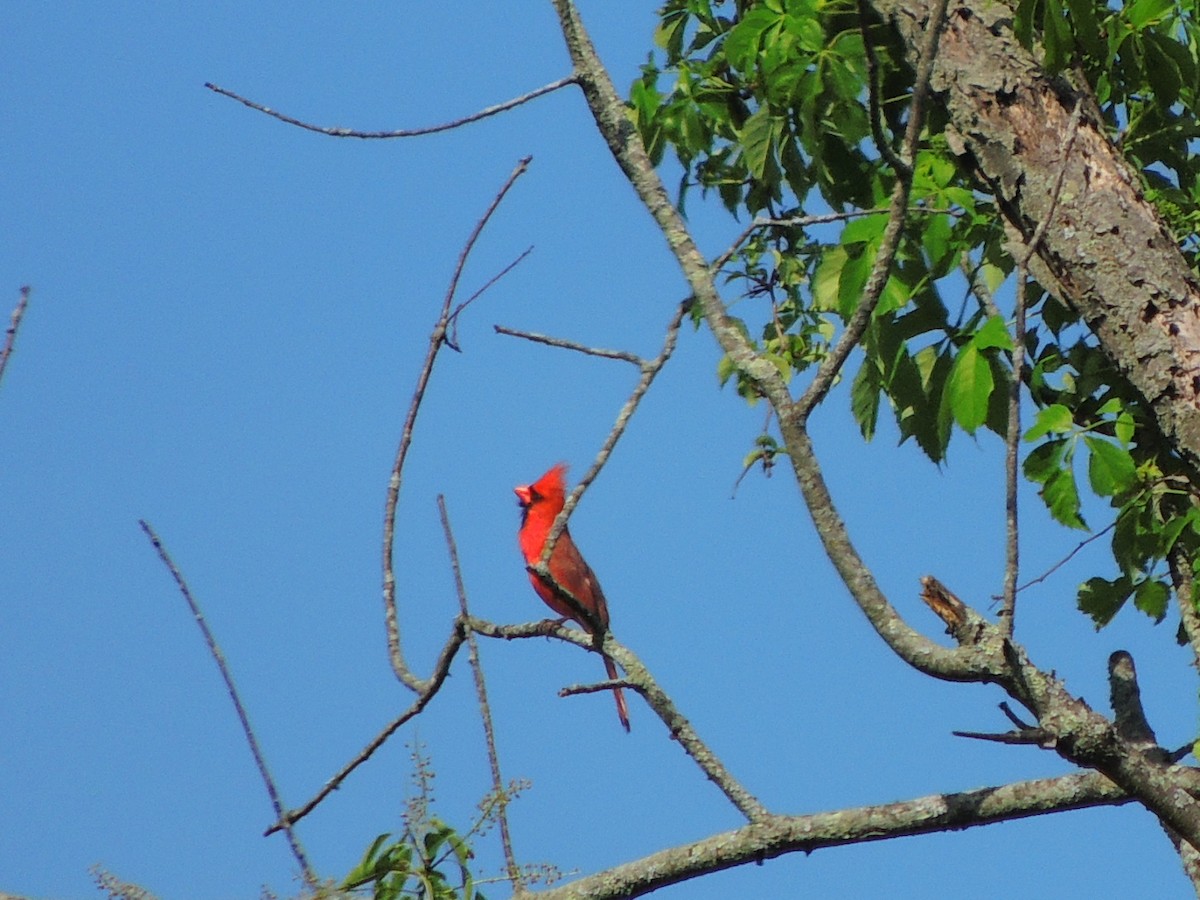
[595, 687]
[1012, 552]
[436, 340]
[622, 355]
[485, 709]
[452, 338]
[337, 131]
[1021, 724]
[805, 221]
[831, 366]
[1066, 559]
[440, 670]
[650, 370]
[310, 877]
[10, 336]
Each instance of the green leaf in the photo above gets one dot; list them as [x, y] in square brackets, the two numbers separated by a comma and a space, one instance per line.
[864, 398]
[742, 41]
[854, 276]
[1141, 13]
[827, 278]
[1056, 37]
[1062, 498]
[1087, 27]
[1151, 598]
[1124, 428]
[1173, 528]
[1101, 598]
[993, 335]
[1044, 460]
[367, 868]
[865, 230]
[939, 245]
[1054, 419]
[969, 388]
[758, 138]
[1111, 469]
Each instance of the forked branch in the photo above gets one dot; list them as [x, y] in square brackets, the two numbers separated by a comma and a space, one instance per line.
[436, 340]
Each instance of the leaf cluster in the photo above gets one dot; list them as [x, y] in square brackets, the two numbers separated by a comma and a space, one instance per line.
[790, 109]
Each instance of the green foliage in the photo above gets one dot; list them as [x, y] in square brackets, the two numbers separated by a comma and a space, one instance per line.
[413, 865]
[766, 104]
[429, 859]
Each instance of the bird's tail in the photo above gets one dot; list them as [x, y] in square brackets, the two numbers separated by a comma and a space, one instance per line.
[618, 694]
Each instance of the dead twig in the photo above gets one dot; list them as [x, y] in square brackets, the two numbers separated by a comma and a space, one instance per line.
[650, 370]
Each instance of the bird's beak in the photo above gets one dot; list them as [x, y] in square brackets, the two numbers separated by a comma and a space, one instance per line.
[524, 494]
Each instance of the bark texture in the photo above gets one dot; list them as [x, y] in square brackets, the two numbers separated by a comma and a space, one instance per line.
[1107, 252]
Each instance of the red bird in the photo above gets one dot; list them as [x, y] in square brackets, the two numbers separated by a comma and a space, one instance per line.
[541, 502]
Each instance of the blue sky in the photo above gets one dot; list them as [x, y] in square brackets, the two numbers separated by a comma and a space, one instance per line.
[227, 321]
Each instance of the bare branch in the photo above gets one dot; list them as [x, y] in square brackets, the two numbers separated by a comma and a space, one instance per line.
[572, 690]
[780, 835]
[452, 339]
[1062, 562]
[650, 371]
[609, 113]
[440, 670]
[337, 131]
[1012, 554]
[485, 708]
[436, 340]
[10, 336]
[1036, 736]
[564, 344]
[310, 876]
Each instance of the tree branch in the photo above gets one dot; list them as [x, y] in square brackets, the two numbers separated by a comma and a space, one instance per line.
[214, 649]
[1012, 551]
[10, 336]
[485, 708]
[337, 131]
[436, 340]
[789, 834]
[831, 366]
[440, 670]
[638, 678]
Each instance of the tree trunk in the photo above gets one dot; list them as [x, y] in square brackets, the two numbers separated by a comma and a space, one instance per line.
[1106, 252]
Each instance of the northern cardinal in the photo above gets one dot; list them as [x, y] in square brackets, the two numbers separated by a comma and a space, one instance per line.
[541, 502]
